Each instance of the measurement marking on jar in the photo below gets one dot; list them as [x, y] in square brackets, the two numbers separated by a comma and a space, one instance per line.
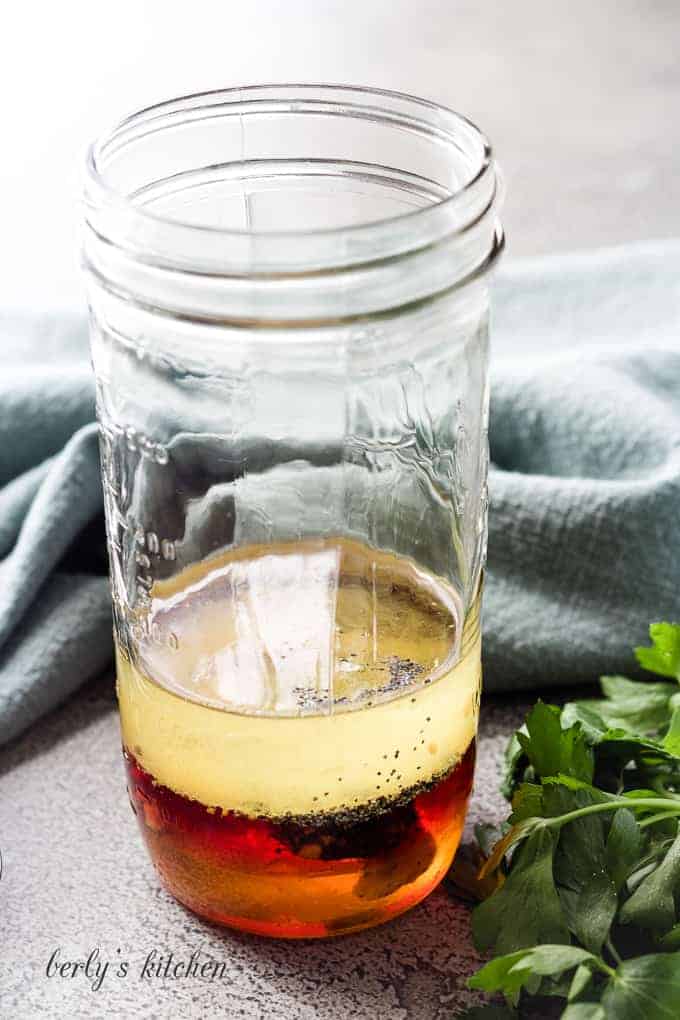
[145, 630]
[157, 548]
[149, 540]
[136, 441]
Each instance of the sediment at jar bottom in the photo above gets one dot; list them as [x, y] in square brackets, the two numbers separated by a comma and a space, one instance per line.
[304, 876]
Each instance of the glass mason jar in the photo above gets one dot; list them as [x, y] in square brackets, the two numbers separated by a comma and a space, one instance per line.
[289, 319]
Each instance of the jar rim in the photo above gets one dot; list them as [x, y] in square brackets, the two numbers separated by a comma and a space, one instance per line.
[97, 177]
[207, 270]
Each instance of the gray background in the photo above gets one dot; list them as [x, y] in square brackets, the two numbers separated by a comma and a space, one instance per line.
[581, 101]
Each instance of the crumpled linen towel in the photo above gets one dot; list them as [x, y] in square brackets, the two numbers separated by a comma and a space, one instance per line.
[55, 613]
[584, 527]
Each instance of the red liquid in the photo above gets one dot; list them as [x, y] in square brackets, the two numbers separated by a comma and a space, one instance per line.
[303, 876]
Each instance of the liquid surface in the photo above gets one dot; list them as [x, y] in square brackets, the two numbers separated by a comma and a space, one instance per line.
[299, 729]
[303, 628]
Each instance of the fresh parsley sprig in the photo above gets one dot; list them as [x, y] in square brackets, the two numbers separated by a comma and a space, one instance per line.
[583, 887]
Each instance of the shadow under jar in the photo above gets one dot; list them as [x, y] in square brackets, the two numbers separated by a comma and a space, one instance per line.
[289, 321]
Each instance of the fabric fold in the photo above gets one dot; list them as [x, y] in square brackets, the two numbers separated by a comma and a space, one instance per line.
[68, 498]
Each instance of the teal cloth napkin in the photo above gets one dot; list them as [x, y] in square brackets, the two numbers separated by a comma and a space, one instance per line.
[584, 528]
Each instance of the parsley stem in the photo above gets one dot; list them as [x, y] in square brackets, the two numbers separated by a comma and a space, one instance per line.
[605, 968]
[670, 812]
[613, 951]
[613, 805]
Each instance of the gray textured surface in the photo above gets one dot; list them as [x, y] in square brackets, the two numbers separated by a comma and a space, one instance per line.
[76, 876]
[581, 101]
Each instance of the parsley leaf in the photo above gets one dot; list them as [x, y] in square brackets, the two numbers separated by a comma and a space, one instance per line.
[647, 987]
[652, 905]
[509, 973]
[638, 706]
[526, 910]
[514, 764]
[551, 749]
[671, 741]
[580, 981]
[663, 657]
[583, 712]
[671, 940]
[584, 1011]
[586, 887]
[624, 846]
